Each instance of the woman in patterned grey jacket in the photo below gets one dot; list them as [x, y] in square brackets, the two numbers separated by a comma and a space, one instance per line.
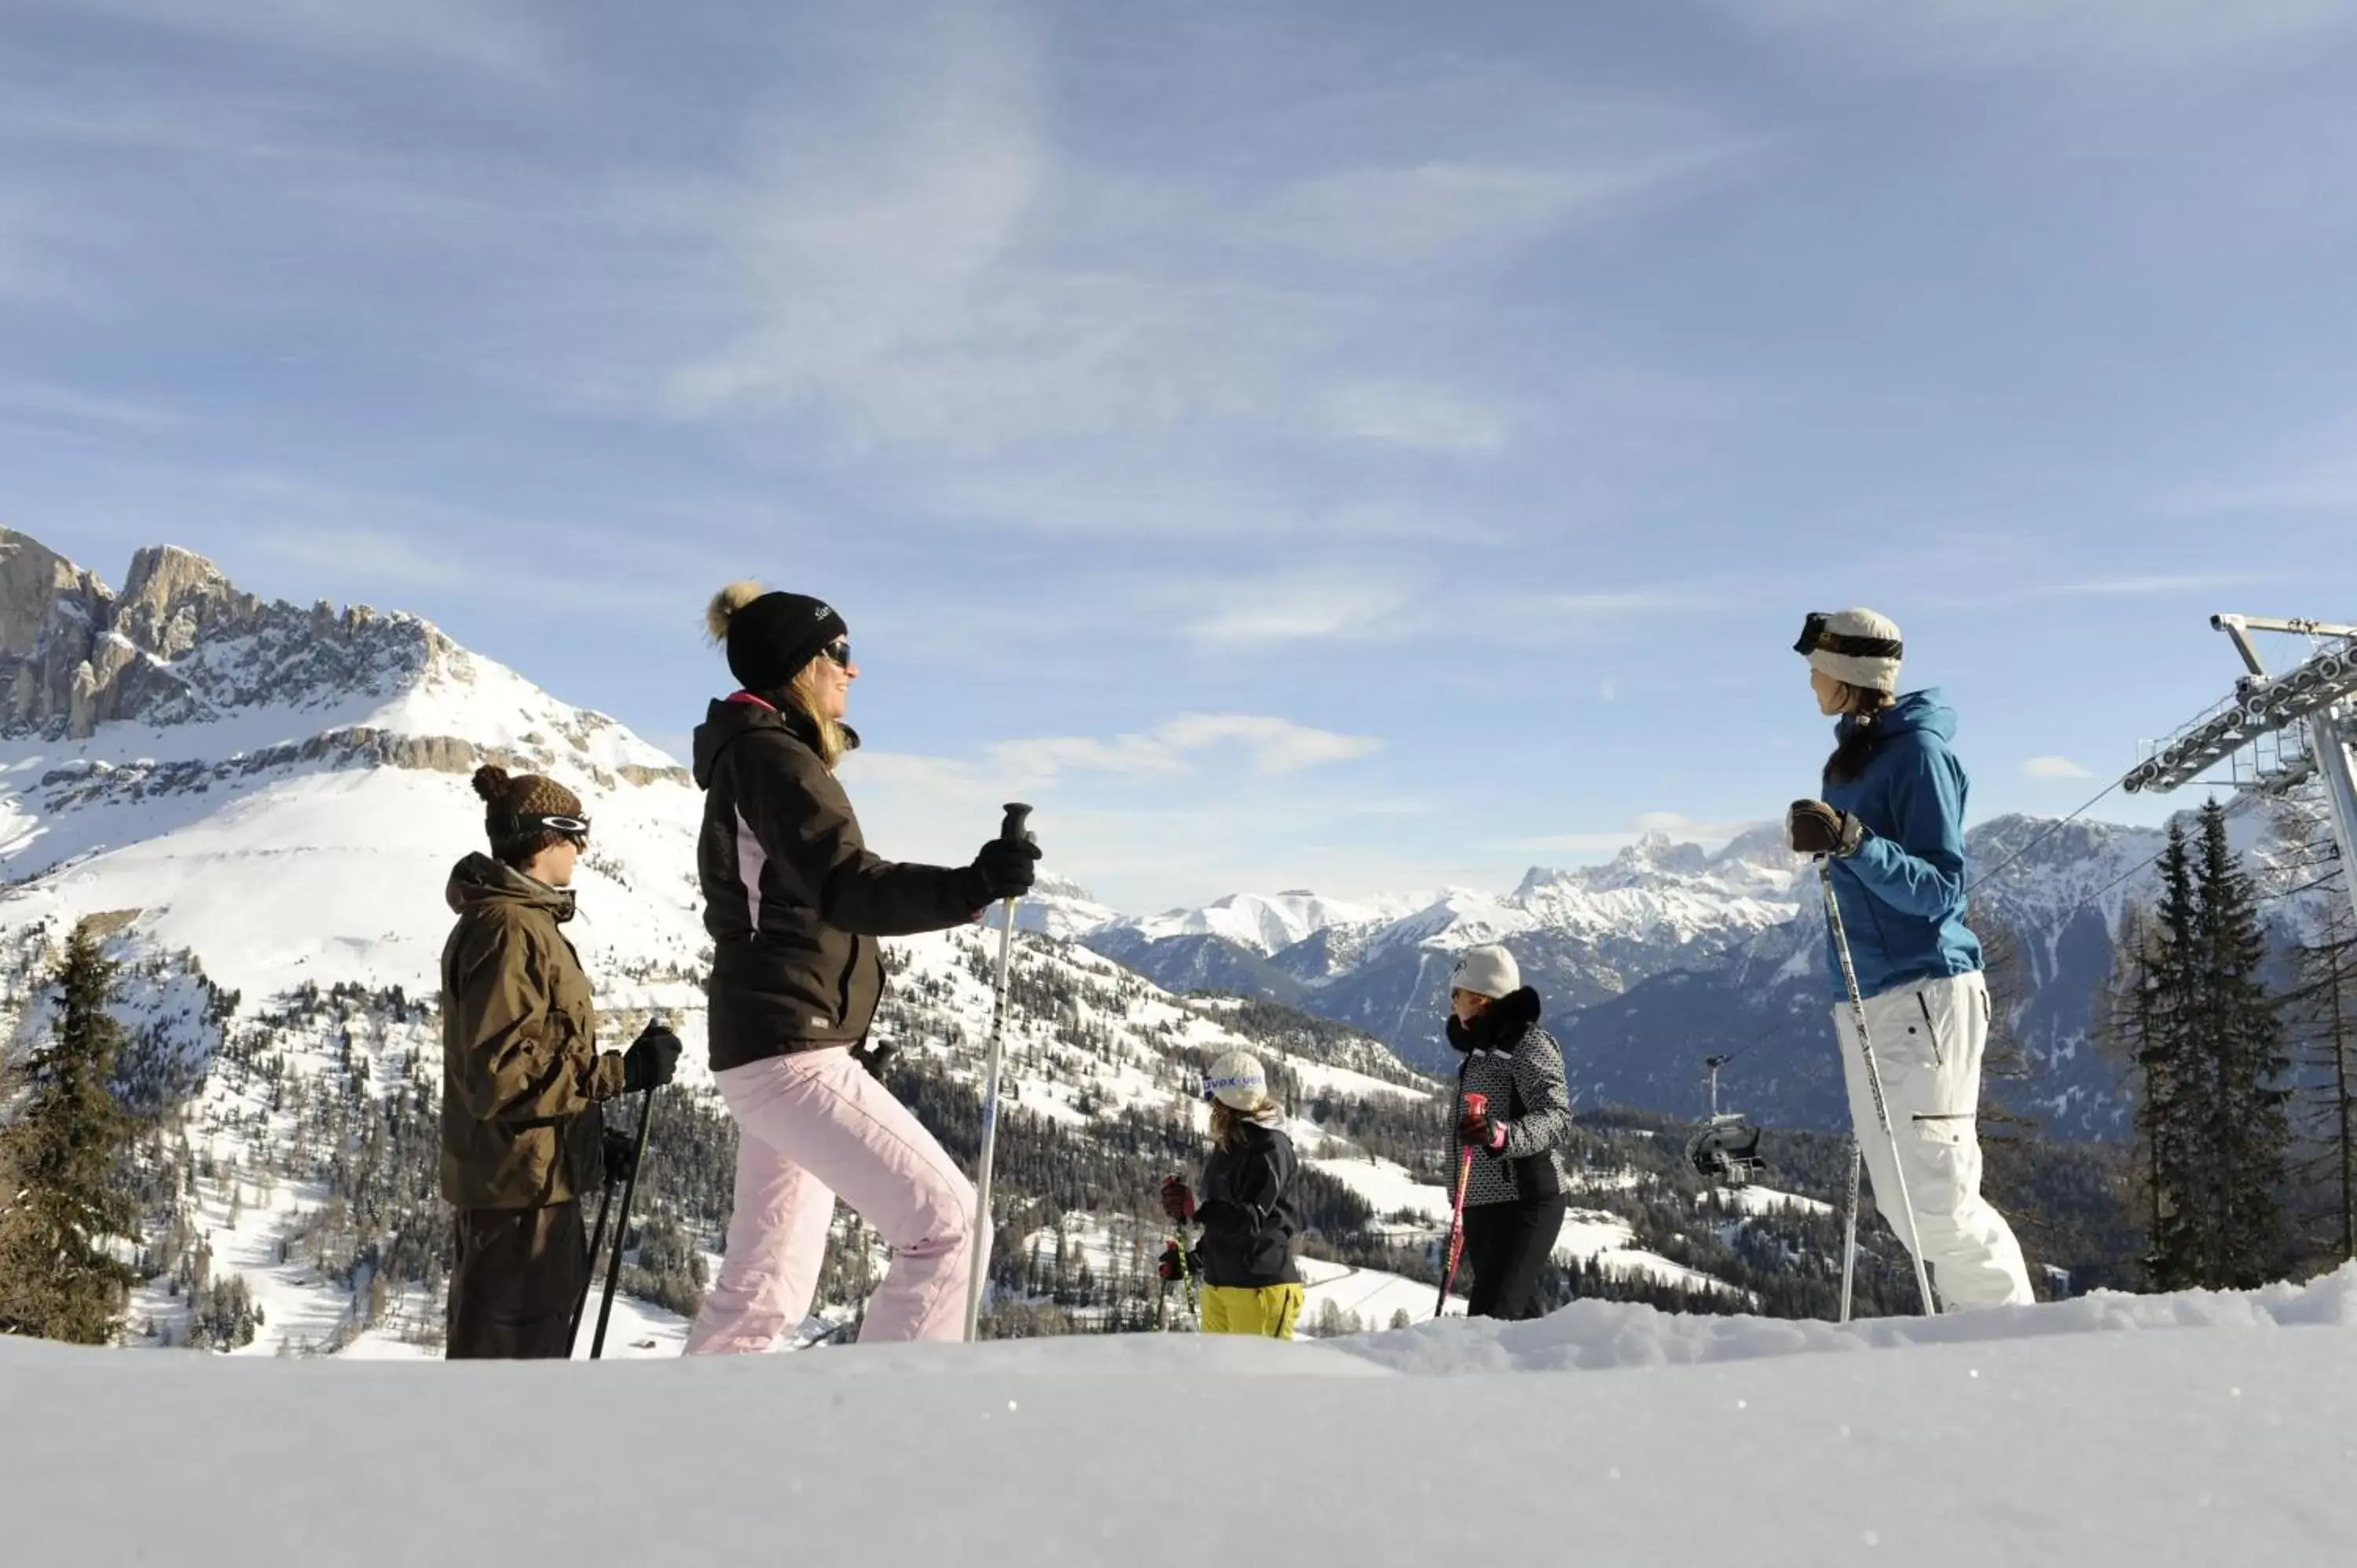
[1515, 1201]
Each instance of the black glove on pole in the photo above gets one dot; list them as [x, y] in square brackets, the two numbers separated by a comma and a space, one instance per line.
[653, 1032]
[651, 1061]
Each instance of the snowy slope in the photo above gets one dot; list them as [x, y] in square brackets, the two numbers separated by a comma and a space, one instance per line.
[2110, 1432]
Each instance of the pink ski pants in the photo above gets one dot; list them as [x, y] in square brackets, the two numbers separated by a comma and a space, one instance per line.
[811, 1126]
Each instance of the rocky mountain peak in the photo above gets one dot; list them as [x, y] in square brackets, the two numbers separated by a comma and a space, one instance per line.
[181, 643]
[174, 599]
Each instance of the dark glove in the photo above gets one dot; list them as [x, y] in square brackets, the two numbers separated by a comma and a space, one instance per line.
[1475, 1131]
[1005, 869]
[1812, 827]
[652, 1059]
[1178, 1200]
[875, 1058]
[1175, 1264]
[621, 1155]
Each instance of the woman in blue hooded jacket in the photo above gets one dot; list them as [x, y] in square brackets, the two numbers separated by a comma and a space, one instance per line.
[1891, 823]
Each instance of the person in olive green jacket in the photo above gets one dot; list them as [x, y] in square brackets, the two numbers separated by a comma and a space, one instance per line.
[523, 1136]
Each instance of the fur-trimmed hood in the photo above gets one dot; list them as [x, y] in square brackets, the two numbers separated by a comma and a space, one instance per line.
[1500, 1028]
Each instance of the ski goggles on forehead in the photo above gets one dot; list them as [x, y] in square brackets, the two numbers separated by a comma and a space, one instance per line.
[1814, 637]
[531, 824]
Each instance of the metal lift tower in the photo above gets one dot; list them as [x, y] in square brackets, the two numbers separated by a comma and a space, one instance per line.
[2279, 731]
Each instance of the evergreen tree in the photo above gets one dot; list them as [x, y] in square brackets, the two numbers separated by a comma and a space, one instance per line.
[58, 1277]
[2244, 1065]
[2159, 1005]
[2213, 1120]
[2325, 1008]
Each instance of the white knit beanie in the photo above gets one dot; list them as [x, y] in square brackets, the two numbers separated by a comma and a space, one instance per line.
[1488, 970]
[1877, 670]
[1238, 1081]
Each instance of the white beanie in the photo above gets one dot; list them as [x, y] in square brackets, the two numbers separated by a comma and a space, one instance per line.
[1488, 970]
[1238, 1081]
[1856, 646]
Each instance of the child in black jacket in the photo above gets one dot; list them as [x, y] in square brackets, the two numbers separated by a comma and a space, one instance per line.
[1247, 1213]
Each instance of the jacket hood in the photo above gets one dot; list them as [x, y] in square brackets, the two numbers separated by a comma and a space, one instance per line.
[1502, 1026]
[1916, 711]
[730, 719]
[478, 880]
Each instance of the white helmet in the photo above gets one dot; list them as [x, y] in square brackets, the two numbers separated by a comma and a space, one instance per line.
[1238, 1081]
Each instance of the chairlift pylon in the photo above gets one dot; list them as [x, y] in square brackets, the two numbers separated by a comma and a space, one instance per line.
[1725, 1148]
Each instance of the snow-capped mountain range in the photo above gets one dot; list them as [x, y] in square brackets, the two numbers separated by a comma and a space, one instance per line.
[258, 805]
[1670, 953]
[1582, 936]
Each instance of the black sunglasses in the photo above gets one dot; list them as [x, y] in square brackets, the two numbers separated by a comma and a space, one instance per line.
[839, 653]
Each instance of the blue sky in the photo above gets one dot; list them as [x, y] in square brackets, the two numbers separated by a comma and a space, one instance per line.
[1358, 444]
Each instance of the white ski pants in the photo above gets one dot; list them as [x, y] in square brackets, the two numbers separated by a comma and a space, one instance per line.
[811, 1126]
[1928, 1039]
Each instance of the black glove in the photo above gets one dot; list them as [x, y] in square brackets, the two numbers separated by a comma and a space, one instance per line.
[875, 1058]
[1005, 869]
[652, 1059]
[621, 1155]
[1174, 1264]
[1812, 827]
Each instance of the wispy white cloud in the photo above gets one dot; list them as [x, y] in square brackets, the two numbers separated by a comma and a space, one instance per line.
[1272, 746]
[958, 276]
[2320, 478]
[1417, 214]
[47, 403]
[2155, 585]
[2083, 35]
[1308, 606]
[500, 37]
[1418, 417]
[2052, 769]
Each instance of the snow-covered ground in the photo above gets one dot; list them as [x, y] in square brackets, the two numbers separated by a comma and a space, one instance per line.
[2108, 1431]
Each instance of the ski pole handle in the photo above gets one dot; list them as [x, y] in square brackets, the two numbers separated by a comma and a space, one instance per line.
[1015, 829]
[1477, 1103]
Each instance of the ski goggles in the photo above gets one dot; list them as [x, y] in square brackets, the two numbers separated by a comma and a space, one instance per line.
[1814, 637]
[532, 824]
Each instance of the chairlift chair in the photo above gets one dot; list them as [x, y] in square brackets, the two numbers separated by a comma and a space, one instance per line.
[1724, 1149]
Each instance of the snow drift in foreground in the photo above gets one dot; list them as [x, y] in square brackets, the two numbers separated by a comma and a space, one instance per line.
[2186, 1428]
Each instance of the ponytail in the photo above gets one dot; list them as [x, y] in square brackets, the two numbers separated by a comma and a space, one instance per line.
[1859, 736]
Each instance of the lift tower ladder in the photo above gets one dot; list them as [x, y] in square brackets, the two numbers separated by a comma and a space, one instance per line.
[2308, 714]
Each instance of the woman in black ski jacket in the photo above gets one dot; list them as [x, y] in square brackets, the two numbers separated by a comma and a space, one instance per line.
[1516, 1196]
[794, 902]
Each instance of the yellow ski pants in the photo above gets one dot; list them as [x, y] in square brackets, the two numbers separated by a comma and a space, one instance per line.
[1270, 1312]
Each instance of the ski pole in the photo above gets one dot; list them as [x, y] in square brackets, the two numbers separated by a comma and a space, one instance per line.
[622, 1225]
[1186, 1275]
[1849, 1227]
[597, 1246]
[1881, 1107]
[1476, 1104]
[1012, 830]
